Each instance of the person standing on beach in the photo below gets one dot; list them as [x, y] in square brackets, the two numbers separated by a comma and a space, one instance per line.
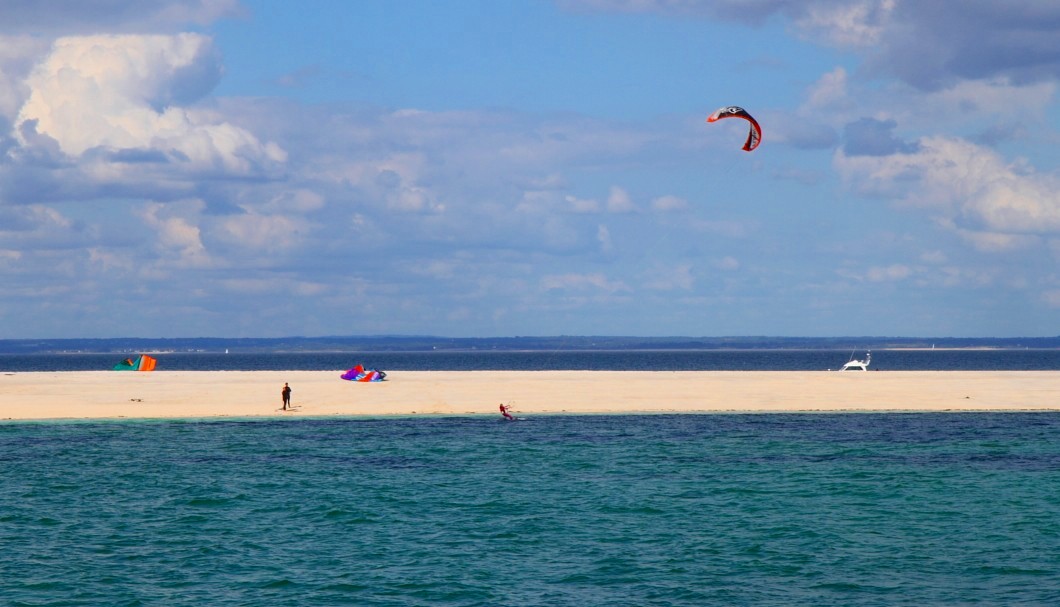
[286, 394]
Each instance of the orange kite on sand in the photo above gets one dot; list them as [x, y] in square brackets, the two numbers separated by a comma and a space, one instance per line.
[142, 362]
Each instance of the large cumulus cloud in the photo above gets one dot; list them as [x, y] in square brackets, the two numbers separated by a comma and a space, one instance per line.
[128, 98]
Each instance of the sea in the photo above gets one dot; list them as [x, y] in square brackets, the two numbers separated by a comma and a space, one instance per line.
[552, 510]
[539, 360]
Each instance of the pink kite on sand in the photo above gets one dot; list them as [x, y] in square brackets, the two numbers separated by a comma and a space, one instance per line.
[359, 373]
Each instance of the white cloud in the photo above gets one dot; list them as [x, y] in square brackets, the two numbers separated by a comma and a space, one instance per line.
[603, 236]
[177, 238]
[443, 269]
[618, 201]
[877, 274]
[394, 179]
[997, 96]
[933, 257]
[889, 273]
[304, 288]
[993, 242]
[264, 232]
[829, 91]
[30, 219]
[253, 286]
[411, 198]
[859, 23]
[670, 278]
[582, 205]
[669, 204]
[536, 202]
[131, 93]
[1052, 298]
[728, 263]
[37, 229]
[112, 260]
[970, 187]
[730, 229]
[295, 201]
[582, 282]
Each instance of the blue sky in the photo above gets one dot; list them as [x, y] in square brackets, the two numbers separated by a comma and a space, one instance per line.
[186, 168]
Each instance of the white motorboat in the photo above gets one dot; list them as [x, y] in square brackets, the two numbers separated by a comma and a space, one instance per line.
[858, 365]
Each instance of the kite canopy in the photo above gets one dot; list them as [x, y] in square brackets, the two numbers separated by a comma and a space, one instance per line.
[754, 137]
[359, 373]
[140, 363]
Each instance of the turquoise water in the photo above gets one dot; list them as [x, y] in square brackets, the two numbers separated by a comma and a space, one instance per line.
[852, 509]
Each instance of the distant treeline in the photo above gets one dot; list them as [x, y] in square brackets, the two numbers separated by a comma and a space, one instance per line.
[427, 343]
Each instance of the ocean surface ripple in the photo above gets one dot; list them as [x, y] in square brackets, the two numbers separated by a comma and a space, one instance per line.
[779, 509]
[603, 360]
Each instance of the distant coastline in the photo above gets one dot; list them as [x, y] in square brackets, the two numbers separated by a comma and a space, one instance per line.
[338, 344]
[957, 348]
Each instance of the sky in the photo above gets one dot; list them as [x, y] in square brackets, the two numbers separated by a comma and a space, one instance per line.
[483, 168]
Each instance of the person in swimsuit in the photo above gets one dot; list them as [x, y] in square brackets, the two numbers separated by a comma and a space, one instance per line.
[286, 394]
[504, 412]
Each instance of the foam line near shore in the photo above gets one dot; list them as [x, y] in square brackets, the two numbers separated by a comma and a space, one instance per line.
[200, 394]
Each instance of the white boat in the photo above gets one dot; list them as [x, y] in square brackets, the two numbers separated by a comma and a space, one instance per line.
[858, 365]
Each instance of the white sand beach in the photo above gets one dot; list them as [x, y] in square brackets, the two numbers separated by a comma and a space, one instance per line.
[204, 394]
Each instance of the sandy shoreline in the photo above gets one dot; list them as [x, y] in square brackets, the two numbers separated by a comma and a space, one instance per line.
[201, 394]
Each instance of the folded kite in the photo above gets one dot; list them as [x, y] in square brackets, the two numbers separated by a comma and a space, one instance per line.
[359, 373]
[140, 363]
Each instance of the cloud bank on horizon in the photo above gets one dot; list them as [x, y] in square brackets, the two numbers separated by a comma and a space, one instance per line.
[221, 168]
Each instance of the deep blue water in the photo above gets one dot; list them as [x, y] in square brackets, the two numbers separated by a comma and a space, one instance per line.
[668, 510]
[670, 360]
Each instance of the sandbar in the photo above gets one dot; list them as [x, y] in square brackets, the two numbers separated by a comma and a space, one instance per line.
[210, 394]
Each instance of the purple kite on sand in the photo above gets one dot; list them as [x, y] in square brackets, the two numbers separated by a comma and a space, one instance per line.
[359, 373]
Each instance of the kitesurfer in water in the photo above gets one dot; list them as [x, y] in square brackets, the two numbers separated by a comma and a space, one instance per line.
[286, 394]
[504, 412]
